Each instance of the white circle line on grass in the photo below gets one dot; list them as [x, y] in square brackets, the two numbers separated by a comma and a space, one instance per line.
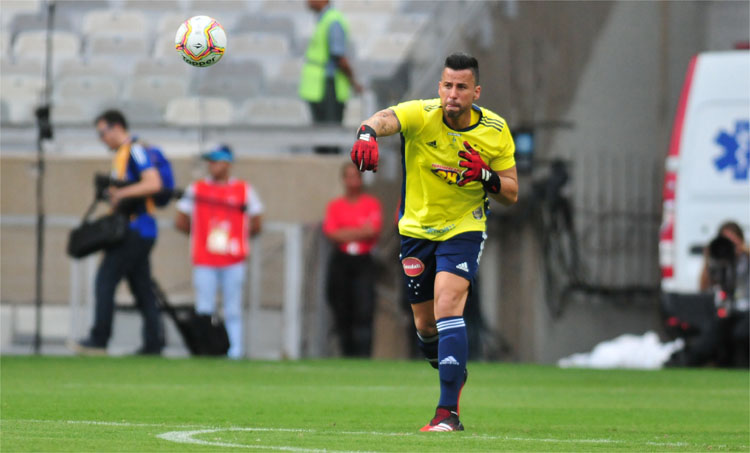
[201, 429]
[186, 437]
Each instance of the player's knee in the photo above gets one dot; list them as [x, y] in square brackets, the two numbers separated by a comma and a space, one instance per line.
[426, 326]
[449, 302]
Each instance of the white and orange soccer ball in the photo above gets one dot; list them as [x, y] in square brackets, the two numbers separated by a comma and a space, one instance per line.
[201, 41]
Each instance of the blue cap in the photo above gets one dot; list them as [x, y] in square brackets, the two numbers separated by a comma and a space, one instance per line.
[219, 153]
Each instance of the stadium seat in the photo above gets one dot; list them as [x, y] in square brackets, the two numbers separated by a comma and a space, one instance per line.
[285, 80]
[235, 81]
[154, 5]
[158, 90]
[164, 46]
[255, 22]
[22, 66]
[162, 66]
[389, 47]
[368, 6]
[193, 111]
[129, 46]
[20, 110]
[114, 21]
[33, 44]
[11, 8]
[363, 27]
[285, 6]
[259, 45]
[169, 22]
[91, 88]
[275, 112]
[138, 112]
[73, 67]
[71, 112]
[21, 86]
[38, 21]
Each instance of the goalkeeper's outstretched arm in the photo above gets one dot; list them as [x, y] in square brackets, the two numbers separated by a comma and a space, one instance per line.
[384, 123]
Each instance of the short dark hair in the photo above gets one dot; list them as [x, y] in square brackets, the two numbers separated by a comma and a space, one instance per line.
[112, 117]
[460, 60]
[734, 227]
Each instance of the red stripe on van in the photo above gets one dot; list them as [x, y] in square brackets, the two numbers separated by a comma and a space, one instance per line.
[674, 144]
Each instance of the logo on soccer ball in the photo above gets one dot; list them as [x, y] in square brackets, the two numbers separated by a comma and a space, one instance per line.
[201, 41]
[412, 266]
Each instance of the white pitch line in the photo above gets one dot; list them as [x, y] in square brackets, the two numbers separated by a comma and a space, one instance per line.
[204, 429]
[186, 437]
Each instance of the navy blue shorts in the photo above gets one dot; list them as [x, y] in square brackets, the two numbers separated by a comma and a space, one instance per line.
[422, 259]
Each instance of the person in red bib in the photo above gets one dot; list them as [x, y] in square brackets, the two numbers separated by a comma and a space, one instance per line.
[220, 213]
[353, 223]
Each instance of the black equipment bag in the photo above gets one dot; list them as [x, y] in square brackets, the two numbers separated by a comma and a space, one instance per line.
[202, 334]
[99, 234]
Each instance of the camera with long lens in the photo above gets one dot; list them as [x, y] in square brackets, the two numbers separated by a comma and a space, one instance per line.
[722, 266]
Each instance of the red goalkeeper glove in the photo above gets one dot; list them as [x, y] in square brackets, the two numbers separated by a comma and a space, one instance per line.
[365, 149]
[477, 170]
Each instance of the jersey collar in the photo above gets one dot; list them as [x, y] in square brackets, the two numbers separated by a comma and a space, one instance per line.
[470, 127]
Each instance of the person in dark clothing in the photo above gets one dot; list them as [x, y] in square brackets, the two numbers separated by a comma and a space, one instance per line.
[130, 258]
[353, 223]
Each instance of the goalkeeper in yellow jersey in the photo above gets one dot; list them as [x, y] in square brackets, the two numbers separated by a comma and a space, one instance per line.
[454, 155]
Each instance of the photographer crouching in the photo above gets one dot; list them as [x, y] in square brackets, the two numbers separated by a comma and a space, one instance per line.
[726, 273]
[133, 183]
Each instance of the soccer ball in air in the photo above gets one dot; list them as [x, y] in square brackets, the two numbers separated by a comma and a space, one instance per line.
[201, 41]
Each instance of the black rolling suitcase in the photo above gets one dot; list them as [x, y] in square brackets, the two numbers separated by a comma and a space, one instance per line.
[202, 334]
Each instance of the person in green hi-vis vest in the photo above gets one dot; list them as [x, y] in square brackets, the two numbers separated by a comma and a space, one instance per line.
[327, 77]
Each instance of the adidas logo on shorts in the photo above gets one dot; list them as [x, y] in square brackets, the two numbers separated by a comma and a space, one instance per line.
[463, 267]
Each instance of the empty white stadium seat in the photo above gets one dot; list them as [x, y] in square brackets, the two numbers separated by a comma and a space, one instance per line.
[158, 90]
[285, 6]
[73, 67]
[71, 112]
[129, 46]
[169, 23]
[389, 47]
[173, 66]
[87, 88]
[368, 6]
[154, 5]
[32, 44]
[277, 111]
[21, 86]
[195, 111]
[22, 66]
[20, 110]
[284, 81]
[138, 112]
[258, 45]
[10, 8]
[114, 21]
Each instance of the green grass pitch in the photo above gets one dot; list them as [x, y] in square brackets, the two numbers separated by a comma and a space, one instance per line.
[152, 404]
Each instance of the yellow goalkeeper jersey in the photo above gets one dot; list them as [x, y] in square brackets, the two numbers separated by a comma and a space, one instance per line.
[432, 205]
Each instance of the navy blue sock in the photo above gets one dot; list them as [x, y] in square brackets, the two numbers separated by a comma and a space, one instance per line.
[429, 347]
[453, 351]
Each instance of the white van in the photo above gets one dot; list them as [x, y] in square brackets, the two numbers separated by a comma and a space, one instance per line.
[706, 178]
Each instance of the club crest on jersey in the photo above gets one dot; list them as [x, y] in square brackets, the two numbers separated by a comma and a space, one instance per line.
[449, 174]
[412, 266]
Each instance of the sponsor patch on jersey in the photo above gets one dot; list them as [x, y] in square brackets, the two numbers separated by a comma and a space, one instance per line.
[432, 143]
[412, 266]
[449, 174]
